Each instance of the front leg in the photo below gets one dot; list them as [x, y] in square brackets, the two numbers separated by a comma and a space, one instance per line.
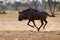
[29, 24]
[35, 25]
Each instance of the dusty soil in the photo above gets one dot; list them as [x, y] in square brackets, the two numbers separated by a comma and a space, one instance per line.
[28, 35]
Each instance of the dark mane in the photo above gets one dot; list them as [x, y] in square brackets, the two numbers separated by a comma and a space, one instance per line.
[26, 10]
[29, 10]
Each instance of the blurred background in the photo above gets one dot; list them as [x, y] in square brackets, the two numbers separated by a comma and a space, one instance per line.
[9, 13]
[42, 5]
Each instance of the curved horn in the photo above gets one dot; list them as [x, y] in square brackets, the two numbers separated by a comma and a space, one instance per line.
[19, 11]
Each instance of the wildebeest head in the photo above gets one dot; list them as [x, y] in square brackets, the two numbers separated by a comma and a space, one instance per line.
[25, 14]
[22, 15]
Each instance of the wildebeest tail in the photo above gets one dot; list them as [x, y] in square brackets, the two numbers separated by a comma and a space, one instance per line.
[48, 14]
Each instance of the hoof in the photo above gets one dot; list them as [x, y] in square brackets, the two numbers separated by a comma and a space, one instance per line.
[38, 29]
[32, 26]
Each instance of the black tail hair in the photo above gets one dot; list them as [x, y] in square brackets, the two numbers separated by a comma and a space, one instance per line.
[48, 14]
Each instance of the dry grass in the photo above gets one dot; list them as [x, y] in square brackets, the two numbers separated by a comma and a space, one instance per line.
[9, 14]
[28, 35]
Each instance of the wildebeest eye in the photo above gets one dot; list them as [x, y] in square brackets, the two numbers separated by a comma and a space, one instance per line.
[20, 12]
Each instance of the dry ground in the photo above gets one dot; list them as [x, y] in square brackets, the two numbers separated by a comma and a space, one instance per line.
[12, 29]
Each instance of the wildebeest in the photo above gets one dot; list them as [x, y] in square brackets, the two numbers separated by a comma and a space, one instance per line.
[33, 14]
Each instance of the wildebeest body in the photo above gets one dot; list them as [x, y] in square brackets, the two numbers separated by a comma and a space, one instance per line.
[31, 15]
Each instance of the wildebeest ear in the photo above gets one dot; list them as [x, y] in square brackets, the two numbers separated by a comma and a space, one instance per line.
[19, 11]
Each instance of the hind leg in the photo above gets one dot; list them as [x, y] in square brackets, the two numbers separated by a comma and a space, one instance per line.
[41, 25]
[45, 24]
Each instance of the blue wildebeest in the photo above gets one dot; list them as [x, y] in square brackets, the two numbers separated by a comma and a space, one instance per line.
[31, 15]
